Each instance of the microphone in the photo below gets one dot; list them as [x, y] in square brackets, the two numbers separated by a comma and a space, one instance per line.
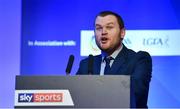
[69, 65]
[90, 64]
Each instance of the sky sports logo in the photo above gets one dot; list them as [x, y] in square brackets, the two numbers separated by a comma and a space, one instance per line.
[40, 97]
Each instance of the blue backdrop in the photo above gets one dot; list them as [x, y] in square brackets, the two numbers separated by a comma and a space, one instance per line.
[10, 26]
[51, 31]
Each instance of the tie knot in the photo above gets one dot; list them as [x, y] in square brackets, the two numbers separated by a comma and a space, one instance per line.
[108, 59]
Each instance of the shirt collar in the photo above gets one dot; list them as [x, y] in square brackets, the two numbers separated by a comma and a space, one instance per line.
[114, 54]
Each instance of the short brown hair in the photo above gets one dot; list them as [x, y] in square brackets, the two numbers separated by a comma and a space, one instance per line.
[119, 18]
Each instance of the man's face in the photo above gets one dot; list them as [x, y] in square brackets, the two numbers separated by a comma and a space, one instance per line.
[108, 33]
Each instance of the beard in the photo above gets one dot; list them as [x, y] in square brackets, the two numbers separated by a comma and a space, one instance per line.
[110, 48]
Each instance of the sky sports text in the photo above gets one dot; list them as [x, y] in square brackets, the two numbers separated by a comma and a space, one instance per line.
[40, 97]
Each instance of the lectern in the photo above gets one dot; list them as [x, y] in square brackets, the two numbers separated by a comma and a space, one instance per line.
[85, 91]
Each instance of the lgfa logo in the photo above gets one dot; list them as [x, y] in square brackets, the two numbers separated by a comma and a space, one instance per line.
[156, 41]
[40, 97]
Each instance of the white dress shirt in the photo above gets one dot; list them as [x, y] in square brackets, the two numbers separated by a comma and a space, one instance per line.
[113, 55]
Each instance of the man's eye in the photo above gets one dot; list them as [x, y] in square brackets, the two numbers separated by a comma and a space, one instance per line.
[98, 28]
[109, 27]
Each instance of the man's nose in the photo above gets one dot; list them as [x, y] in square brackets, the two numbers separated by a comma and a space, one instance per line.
[104, 31]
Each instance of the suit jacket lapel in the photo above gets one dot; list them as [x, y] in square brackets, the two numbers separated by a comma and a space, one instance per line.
[116, 67]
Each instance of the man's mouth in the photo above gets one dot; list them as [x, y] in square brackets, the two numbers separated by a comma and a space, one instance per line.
[104, 40]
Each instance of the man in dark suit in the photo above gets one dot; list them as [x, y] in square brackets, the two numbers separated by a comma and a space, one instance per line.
[116, 59]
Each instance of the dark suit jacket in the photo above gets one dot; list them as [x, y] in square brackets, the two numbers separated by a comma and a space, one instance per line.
[128, 62]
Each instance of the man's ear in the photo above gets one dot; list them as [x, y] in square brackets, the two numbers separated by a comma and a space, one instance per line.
[122, 33]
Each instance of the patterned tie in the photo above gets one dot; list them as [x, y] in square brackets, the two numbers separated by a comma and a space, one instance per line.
[107, 67]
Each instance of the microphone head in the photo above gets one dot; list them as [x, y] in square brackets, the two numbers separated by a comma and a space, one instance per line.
[70, 63]
[90, 64]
